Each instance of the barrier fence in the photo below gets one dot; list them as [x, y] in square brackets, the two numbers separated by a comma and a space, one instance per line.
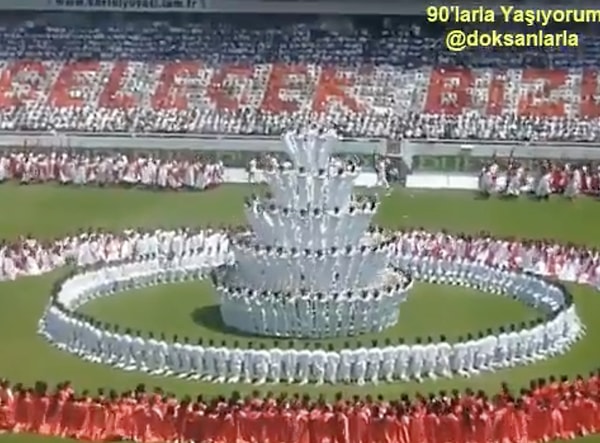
[467, 163]
[451, 156]
[175, 142]
[233, 151]
[468, 155]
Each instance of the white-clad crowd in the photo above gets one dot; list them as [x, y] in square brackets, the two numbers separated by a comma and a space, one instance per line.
[571, 263]
[312, 187]
[302, 313]
[316, 228]
[309, 264]
[359, 364]
[549, 177]
[184, 171]
[333, 292]
[29, 256]
[333, 269]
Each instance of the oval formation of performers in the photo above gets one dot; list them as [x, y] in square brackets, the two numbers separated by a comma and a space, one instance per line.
[266, 267]
[318, 315]
[75, 333]
[292, 227]
[309, 292]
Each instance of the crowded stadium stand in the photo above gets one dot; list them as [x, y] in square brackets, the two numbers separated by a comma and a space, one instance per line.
[375, 77]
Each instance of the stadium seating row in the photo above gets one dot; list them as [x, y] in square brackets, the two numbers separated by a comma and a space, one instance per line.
[190, 97]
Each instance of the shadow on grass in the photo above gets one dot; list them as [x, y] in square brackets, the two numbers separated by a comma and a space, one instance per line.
[209, 317]
[507, 197]
[481, 196]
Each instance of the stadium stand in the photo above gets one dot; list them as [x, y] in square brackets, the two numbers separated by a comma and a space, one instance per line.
[387, 77]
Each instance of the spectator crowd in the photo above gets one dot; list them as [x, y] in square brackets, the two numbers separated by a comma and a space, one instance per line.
[253, 75]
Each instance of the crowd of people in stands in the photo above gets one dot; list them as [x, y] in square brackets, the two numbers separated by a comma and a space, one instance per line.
[252, 75]
[549, 409]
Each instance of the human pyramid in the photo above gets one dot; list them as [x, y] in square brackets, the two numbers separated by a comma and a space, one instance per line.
[181, 171]
[308, 258]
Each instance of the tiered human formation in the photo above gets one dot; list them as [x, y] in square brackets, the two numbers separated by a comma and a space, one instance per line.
[312, 266]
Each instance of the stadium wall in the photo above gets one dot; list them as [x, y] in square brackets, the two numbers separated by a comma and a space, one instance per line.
[175, 142]
[445, 181]
[329, 7]
[408, 149]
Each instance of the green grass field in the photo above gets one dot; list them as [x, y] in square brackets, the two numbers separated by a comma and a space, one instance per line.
[187, 309]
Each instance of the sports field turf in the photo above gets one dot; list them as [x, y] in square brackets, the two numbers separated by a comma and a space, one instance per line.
[193, 313]
[48, 211]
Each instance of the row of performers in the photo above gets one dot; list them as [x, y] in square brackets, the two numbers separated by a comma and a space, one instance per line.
[81, 169]
[550, 179]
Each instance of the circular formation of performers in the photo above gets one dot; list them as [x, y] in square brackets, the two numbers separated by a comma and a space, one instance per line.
[311, 187]
[285, 361]
[314, 229]
[312, 314]
[335, 269]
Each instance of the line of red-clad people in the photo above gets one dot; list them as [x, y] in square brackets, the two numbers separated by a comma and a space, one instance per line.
[549, 409]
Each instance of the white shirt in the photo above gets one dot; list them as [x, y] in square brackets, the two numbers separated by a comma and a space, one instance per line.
[444, 350]
[430, 353]
[262, 360]
[417, 352]
[221, 357]
[290, 360]
[138, 345]
[388, 355]
[304, 356]
[346, 357]
[402, 354]
[318, 359]
[360, 356]
[374, 356]
[236, 357]
[333, 360]
[276, 356]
